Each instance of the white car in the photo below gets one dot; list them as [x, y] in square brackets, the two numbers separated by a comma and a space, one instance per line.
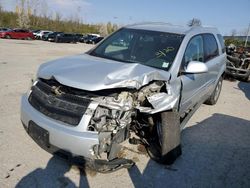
[40, 34]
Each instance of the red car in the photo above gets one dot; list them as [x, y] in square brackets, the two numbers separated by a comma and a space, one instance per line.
[17, 34]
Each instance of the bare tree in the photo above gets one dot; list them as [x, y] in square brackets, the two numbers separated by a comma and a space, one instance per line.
[194, 22]
[23, 15]
[115, 27]
[34, 6]
[58, 17]
[243, 32]
[109, 27]
[1, 9]
[103, 29]
[44, 9]
[233, 32]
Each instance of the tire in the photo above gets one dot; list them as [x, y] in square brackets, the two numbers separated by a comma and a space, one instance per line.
[7, 36]
[164, 144]
[212, 100]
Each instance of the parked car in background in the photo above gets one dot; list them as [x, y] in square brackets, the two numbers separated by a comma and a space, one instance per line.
[81, 39]
[88, 105]
[35, 32]
[52, 36]
[88, 37]
[94, 40]
[66, 37]
[40, 34]
[45, 36]
[78, 36]
[17, 34]
[4, 29]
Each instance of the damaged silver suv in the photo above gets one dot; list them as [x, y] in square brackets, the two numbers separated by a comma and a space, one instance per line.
[141, 84]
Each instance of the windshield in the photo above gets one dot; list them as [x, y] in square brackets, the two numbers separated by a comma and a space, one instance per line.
[151, 48]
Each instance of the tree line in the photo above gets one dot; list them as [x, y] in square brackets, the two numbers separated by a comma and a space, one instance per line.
[26, 16]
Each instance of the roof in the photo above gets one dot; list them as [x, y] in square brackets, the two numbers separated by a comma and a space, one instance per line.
[167, 27]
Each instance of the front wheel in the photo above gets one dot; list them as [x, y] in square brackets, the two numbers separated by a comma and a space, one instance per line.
[164, 144]
[212, 100]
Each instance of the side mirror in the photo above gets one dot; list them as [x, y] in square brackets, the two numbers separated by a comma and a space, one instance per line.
[195, 67]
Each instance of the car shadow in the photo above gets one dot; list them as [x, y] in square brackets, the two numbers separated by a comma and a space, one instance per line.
[245, 87]
[53, 175]
[216, 153]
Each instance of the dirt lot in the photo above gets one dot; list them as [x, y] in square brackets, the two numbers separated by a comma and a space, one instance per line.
[216, 143]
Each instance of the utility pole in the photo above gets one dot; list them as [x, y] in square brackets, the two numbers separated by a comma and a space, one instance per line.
[247, 35]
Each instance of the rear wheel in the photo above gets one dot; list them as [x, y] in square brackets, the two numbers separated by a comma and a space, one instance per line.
[7, 36]
[212, 100]
[164, 145]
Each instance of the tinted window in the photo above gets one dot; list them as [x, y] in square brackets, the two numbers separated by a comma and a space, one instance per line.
[151, 48]
[210, 47]
[194, 50]
[221, 43]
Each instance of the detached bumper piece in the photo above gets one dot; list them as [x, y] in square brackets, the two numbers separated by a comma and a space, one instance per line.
[103, 166]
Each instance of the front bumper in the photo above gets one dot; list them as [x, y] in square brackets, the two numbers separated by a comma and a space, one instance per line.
[75, 140]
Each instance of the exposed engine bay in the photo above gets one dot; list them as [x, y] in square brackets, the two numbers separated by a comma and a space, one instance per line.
[117, 115]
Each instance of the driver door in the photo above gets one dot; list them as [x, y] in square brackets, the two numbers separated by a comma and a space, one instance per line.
[193, 90]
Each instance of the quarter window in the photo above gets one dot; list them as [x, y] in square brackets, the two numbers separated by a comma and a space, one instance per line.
[210, 47]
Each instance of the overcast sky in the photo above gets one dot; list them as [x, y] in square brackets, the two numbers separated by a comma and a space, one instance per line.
[226, 15]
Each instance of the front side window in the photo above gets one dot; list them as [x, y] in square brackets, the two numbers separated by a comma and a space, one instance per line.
[210, 47]
[150, 48]
[194, 50]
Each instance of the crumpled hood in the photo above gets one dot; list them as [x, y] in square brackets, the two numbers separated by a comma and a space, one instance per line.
[94, 73]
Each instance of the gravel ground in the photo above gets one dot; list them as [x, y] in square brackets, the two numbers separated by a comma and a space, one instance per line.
[216, 150]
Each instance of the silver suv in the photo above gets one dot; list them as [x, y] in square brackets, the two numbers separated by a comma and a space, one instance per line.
[141, 84]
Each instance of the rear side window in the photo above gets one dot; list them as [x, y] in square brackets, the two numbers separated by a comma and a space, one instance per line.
[210, 47]
[221, 43]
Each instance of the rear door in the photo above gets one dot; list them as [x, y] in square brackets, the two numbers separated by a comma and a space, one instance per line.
[193, 89]
[212, 60]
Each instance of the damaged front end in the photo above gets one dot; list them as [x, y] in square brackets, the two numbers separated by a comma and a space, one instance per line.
[126, 113]
[115, 115]
[97, 116]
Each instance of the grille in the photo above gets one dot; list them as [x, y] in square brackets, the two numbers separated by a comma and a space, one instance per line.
[64, 107]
